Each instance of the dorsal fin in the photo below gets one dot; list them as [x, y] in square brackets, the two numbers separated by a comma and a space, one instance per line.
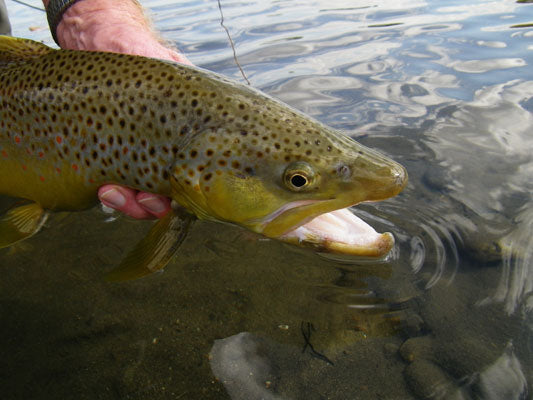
[16, 49]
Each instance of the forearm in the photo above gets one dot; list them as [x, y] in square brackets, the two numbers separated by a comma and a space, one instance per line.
[111, 25]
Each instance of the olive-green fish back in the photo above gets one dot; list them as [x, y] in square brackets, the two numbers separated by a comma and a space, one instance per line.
[14, 50]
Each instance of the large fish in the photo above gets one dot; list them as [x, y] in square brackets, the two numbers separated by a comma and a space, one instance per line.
[71, 121]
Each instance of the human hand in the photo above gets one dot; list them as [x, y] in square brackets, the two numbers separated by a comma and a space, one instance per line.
[136, 204]
[118, 26]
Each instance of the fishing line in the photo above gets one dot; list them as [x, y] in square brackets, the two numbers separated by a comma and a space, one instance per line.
[231, 42]
[28, 5]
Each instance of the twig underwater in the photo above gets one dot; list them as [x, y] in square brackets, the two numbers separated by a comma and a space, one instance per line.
[28, 5]
[307, 329]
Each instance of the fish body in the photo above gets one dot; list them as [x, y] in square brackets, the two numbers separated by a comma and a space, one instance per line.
[71, 121]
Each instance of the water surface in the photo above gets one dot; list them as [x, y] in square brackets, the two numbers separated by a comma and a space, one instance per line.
[443, 87]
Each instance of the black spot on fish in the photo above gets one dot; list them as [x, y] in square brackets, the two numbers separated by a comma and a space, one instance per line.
[250, 171]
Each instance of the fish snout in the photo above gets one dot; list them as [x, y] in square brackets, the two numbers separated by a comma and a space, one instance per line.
[399, 178]
[382, 181]
[392, 182]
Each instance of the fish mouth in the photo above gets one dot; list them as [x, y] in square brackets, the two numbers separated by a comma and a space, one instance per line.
[339, 231]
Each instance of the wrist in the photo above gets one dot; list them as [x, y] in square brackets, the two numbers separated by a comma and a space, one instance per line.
[93, 24]
[118, 26]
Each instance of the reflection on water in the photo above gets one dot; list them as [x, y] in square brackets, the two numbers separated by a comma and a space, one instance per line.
[443, 87]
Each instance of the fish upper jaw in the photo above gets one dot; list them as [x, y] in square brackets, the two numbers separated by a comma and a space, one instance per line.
[285, 208]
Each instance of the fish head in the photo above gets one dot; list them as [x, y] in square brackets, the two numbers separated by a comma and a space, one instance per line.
[289, 183]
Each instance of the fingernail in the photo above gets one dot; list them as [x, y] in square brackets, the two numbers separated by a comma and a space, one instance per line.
[113, 198]
[153, 204]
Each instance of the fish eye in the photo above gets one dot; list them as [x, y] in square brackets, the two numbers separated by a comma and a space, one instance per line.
[298, 176]
[298, 180]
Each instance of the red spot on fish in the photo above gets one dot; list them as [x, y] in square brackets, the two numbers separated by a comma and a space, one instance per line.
[41, 178]
[59, 139]
[41, 154]
[28, 150]
[17, 139]
[4, 153]
[125, 150]
[58, 170]
[75, 167]
[24, 167]
[91, 180]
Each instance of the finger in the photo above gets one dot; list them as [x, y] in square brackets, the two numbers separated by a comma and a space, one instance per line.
[154, 204]
[122, 199]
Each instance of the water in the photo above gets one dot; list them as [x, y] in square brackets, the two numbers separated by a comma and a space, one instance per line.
[443, 87]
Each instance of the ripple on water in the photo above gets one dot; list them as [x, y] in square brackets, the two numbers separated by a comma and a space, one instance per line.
[482, 66]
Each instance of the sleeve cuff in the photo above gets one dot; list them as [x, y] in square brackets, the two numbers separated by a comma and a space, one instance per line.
[54, 13]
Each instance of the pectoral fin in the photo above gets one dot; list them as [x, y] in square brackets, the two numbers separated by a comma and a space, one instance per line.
[20, 223]
[156, 249]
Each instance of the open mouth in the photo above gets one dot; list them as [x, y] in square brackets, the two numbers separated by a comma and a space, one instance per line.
[341, 232]
[338, 231]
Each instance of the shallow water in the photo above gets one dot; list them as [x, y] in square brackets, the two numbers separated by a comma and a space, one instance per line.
[443, 87]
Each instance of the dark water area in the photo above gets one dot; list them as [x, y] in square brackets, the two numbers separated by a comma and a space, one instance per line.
[443, 87]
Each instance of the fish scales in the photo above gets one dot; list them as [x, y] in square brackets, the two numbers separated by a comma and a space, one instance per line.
[72, 121]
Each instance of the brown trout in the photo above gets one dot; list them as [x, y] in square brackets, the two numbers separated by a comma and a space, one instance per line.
[71, 121]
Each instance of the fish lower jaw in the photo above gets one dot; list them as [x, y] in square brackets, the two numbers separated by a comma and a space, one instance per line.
[341, 232]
